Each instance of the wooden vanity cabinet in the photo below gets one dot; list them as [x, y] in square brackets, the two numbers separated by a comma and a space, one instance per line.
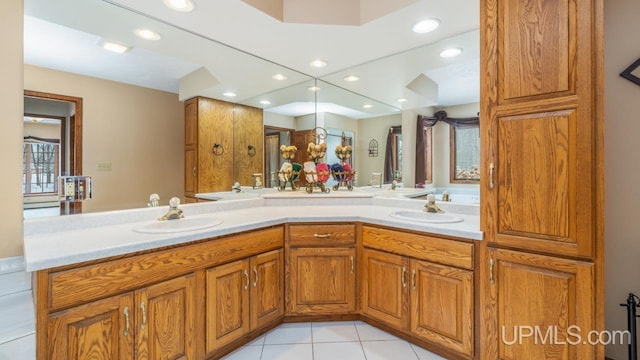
[420, 285]
[243, 296]
[321, 269]
[156, 322]
[155, 304]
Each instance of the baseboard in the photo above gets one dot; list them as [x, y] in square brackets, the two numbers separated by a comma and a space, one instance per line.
[13, 277]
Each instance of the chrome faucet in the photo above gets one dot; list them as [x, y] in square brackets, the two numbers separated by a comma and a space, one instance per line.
[431, 205]
[174, 212]
[236, 187]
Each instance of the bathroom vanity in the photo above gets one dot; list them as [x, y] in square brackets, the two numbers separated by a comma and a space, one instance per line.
[113, 291]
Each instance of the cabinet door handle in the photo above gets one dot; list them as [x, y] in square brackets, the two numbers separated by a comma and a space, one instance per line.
[194, 171]
[352, 264]
[144, 315]
[255, 272]
[246, 274]
[491, 279]
[413, 279]
[322, 235]
[491, 183]
[126, 321]
[217, 149]
[404, 281]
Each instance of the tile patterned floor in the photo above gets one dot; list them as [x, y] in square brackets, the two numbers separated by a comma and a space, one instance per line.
[344, 340]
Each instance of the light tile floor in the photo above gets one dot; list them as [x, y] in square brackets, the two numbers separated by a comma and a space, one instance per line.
[344, 340]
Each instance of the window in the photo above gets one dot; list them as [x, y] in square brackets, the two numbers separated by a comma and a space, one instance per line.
[465, 154]
[40, 168]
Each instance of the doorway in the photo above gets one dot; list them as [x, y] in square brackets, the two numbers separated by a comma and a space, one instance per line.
[274, 137]
[52, 155]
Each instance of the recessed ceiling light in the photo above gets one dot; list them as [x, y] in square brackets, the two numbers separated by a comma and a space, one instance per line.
[449, 53]
[318, 63]
[115, 47]
[229, 94]
[351, 78]
[313, 88]
[146, 34]
[367, 106]
[425, 26]
[279, 77]
[265, 102]
[179, 5]
[401, 100]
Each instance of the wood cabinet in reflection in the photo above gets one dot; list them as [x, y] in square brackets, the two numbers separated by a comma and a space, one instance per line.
[223, 144]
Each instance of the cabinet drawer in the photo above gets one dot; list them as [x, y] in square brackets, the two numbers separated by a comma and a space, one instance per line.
[423, 247]
[322, 234]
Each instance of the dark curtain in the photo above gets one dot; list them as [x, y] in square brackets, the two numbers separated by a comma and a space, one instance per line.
[421, 141]
[441, 115]
[389, 154]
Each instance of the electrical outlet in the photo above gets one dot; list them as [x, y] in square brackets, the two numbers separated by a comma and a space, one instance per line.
[105, 166]
[69, 188]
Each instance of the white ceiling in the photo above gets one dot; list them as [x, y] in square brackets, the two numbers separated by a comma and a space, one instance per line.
[385, 53]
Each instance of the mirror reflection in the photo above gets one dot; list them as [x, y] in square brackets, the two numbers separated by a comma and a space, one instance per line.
[131, 128]
[465, 154]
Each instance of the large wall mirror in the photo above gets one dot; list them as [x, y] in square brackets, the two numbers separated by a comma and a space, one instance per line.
[133, 131]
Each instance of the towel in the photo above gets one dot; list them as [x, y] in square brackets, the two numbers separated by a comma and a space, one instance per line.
[337, 168]
[347, 169]
[323, 172]
[285, 172]
[297, 168]
[310, 171]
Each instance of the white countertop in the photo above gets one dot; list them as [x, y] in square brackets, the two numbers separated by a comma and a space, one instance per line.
[52, 242]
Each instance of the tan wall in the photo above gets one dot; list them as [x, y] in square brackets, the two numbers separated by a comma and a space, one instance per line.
[369, 129]
[622, 192]
[45, 131]
[139, 131]
[11, 104]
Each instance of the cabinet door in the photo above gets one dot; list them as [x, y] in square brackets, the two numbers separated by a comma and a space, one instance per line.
[442, 305]
[191, 122]
[227, 304]
[540, 119]
[248, 143]
[322, 281]
[165, 320]
[384, 287]
[215, 145]
[102, 329]
[190, 172]
[267, 288]
[548, 298]
[191, 147]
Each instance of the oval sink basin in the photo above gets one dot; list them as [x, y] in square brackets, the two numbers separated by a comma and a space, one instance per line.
[179, 225]
[421, 216]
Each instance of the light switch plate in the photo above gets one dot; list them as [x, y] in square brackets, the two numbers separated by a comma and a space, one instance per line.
[104, 166]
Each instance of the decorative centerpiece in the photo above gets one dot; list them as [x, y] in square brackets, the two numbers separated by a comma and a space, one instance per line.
[289, 172]
[343, 173]
[316, 172]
